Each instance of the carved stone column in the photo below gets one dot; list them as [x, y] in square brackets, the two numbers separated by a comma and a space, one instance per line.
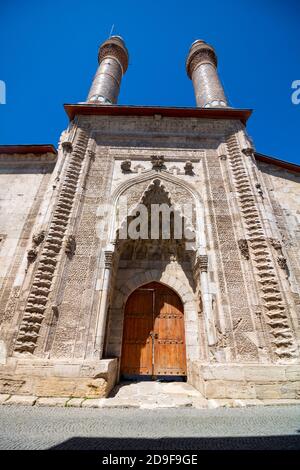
[201, 270]
[102, 315]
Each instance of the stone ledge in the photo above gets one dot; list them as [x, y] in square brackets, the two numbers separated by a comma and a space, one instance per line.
[41, 378]
[75, 402]
[104, 403]
[3, 397]
[20, 400]
[52, 401]
[92, 403]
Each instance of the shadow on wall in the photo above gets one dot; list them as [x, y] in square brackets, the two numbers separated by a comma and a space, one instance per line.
[287, 442]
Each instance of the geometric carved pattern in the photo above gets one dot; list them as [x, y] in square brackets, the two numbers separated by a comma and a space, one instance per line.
[41, 286]
[277, 320]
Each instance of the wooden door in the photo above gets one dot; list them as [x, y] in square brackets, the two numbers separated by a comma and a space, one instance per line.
[169, 350]
[153, 335]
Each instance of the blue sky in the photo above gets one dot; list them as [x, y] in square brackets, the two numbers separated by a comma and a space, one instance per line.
[49, 57]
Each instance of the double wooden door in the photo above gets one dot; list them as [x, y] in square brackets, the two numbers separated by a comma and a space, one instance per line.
[153, 335]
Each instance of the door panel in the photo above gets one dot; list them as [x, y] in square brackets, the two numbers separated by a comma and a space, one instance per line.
[169, 347]
[137, 342]
[153, 338]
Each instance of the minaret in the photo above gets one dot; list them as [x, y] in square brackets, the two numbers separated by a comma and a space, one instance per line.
[113, 63]
[201, 67]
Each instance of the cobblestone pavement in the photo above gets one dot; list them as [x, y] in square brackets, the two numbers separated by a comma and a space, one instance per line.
[26, 427]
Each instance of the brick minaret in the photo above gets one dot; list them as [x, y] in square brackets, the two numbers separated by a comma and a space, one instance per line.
[201, 67]
[113, 63]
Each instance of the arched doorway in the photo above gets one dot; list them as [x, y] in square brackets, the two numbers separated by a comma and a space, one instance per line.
[153, 335]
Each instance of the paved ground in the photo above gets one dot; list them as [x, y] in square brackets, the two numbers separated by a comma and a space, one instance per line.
[143, 395]
[26, 427]
[154, 394]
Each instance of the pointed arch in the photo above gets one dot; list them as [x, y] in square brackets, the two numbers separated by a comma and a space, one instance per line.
[150, 176]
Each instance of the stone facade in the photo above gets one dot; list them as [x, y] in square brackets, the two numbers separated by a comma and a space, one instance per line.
[66, 273]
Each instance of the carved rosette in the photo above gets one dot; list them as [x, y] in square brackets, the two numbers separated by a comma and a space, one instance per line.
[158, 162]
[189, 168]
[126, 166]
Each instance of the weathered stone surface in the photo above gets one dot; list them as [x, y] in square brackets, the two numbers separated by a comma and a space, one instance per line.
[93, 403]
[51, 401]
[20, 400]
[293, 373]
[75, 402]
[3, 397]
[269, 391]
[265, 374]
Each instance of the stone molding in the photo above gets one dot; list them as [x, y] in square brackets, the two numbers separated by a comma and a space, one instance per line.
[276, 315]
[37, 300]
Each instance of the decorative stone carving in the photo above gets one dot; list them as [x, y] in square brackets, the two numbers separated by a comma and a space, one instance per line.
[201, 265]
[55, 310]
[126, 166]
[91, 153]
[158, 162]
[222, 339]
[276, 245]
[276, 316]
[244, 248]
[38, 238]
[248, 151]
[70, 246]
[108, 258]
[31, 255]
[67, 146]
[189, 168]
[282, 262]
[41, 286]
[260, 191]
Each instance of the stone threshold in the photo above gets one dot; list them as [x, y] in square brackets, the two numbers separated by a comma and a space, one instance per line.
[105, 403]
